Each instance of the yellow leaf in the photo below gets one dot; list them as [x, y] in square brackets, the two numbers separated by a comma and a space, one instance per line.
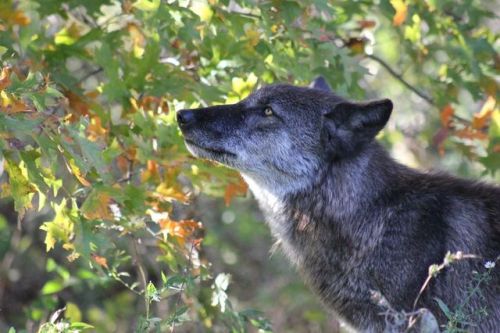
[77, 173]
[482, 117]
[253, 36]
[169, 193]
[401, 12]
[61, 227]
[67, 36]
[5, 78]
[147, 5]
[203, 10]
[10, 104]
[72, 312]
[21, 189]
[138, 39]
[244, 87]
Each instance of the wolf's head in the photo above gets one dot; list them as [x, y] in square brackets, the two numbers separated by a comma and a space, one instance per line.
[281, 135]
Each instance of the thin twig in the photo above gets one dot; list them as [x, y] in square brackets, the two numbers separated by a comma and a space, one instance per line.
[181, 288]
[142, 274]
[437, 268]
[89, 74]
[400, 78]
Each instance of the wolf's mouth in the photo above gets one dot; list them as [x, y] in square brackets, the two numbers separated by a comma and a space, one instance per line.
[215, 151]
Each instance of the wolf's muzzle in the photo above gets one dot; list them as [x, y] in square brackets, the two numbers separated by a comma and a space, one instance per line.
[185, 118]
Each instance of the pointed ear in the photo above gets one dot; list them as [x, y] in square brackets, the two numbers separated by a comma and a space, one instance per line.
[365, 119]
[320, 84]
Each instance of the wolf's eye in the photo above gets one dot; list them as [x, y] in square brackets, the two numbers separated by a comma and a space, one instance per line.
[268, 111]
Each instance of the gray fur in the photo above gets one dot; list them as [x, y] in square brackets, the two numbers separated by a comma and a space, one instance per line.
[348, 216]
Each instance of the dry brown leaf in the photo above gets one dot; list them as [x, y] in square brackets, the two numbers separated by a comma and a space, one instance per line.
[95, 131]
[446, 115]
[10, 104]
[470, 133]
[77, 105]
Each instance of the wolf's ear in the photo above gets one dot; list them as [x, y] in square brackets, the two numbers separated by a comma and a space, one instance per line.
[363, 120]
[320, 83]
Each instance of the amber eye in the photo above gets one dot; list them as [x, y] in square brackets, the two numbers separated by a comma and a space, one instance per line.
[268, 111]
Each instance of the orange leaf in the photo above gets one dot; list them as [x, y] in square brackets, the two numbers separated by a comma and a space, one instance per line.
[154, 103]
[101, 261]
[136, 34]
[234, 189]
[10, 104]
[446, 114]
[170, 193]
[366, 24]
[18, 17]
[99, 208]
[5, 78]
[151, 171]
[470, 133]
[401, 12]
[77, 105]
[182, 230]
[95, 130]
[482, 117]
[77, 173]
[122, 163]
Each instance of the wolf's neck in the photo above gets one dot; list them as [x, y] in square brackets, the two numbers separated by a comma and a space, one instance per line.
[345, 182]
[336, 193]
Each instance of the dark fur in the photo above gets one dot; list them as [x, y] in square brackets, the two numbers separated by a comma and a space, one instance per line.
[351, 218]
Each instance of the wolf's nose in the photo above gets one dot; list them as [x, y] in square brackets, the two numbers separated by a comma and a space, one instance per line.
[185, 117]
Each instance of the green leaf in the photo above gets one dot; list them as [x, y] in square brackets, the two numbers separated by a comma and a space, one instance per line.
[21, 188]
[81, 326]
[151, 293]
[52, 287]
[447, 312]
[147, 5]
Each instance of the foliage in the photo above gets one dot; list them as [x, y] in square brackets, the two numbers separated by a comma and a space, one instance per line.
[460, 317]
[88, 138]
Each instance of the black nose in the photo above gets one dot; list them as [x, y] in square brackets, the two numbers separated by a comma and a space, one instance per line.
[185, 117]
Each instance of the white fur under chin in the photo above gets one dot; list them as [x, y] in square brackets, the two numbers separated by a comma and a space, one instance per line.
[271, 200]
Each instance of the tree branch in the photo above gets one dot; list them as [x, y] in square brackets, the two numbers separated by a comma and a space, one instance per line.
[400, 78]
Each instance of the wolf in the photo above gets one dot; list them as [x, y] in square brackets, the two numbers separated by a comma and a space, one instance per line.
[355, 222]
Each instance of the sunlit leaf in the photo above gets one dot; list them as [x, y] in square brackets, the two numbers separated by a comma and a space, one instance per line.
[5, 78]
[21, 188]
[401, 11]
[482, 117]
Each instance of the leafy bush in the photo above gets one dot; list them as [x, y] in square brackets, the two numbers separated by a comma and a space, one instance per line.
[92, 159]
